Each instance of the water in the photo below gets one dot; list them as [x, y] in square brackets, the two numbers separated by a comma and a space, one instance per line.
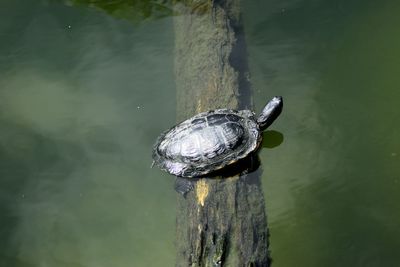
[83, 96]
[333, 186]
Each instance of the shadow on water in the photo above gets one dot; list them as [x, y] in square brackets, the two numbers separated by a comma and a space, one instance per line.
[342, 152]
[246, 167]
[251, 163]
[272, 139]
[340, 164]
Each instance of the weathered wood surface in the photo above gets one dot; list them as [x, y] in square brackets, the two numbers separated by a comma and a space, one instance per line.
[222, 222]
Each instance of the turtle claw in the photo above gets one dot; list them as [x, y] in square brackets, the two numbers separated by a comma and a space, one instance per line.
[183, 186]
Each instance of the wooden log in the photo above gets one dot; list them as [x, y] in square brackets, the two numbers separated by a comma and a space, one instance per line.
[222, 221]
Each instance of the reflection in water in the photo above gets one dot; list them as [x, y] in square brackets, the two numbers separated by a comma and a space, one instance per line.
[80, 107]
[135, 11]
[143, 10]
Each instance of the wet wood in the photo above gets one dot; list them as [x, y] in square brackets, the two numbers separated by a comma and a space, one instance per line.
[222, 222]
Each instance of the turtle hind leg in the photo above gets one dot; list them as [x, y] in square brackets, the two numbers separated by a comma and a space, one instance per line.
[183, 185]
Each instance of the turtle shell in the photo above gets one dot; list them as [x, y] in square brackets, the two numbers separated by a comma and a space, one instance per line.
[207, 142]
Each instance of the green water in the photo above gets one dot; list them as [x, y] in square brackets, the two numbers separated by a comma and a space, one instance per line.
[83, 96]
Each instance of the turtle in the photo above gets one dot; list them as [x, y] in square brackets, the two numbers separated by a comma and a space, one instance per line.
[213, 140]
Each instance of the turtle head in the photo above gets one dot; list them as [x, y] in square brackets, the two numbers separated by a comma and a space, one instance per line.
[270, 112]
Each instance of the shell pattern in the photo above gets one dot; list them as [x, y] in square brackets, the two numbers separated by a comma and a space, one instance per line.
[207, 142]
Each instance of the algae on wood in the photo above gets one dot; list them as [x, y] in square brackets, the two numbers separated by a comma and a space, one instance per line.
[222, 222]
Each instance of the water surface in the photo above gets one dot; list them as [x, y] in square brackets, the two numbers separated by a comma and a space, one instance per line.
[83, 96]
